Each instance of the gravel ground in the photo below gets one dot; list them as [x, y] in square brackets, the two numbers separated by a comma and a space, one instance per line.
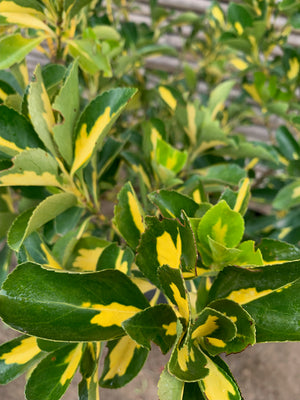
[264, 372]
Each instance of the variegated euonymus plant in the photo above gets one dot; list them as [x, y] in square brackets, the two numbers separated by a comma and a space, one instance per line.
[176, 263]
[78, 286]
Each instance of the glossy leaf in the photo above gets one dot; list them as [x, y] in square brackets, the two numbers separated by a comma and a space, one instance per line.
[40, 111]
[157, 323]
[171, 203]
[51, 378]
[174, 288]
[88, 387]
[69, 306]
[160, 244]
[5, 256]
[95, 122]
[288, 146]
[187, 362]
[68, 107]
[230, 174]
[218, 384]
[13, 48]
[274, 251]
[222, 225]
[33, 219]
[129, 216]
[245, 329]
[270, 295]
[16, 133]
[18, 356]
[123, 362]
[114, 257]
[34, 167]
[85, 254]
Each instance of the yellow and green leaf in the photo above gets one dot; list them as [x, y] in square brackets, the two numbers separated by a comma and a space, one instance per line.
[123, 362]
[129, 216]
[69, 307]
[17, 356]
[157, 324]
[34, 218]
[95, 122]
[51, 378]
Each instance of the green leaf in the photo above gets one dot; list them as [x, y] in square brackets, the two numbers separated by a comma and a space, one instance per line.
[33, 167]
[168, 157]
[222, 225]
[68, 107]
[218, 97]
[18, 356]
[69, 306]
[157, 50]
[5, 256]
[229, 174]
[33, 219]
[192, 391]
[174, 288]
[95, 122]
[51, 378]
[213, 324]
[73, 7]
[187, 362]
[123, 362]
[287, 144]
[276, 250]
[85, 254]
[40, 111]
[13, 48]
[16, 133]
[90, 56]
[169, 387]
[129, 216]
[239, 17]
[245, 328]
[238, 200]
[88, 387]
[160, 244]
[157, 323]
[171, 203]
[288, 196]
[218, 384]
[270, 294]
[115, 257]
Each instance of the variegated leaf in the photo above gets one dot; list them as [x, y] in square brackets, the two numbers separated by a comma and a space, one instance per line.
[276, 251]
[18, 356]
[222, 225]
[114, 257]
[171, 204]
[123, 362]
[95, 122]
[238, 200]
[51, 378]
[269, 294]
[218, 384]
[86, 253]
[69, 306]
[157, 323]
[245, 327]
[174, 288]
[160, 245]
[13, 48]
[16, 133]
[187, 362]
[34, 167]
[68, 107]
[129, 216]
[89, 367]
[40, 111]
[33, 219]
